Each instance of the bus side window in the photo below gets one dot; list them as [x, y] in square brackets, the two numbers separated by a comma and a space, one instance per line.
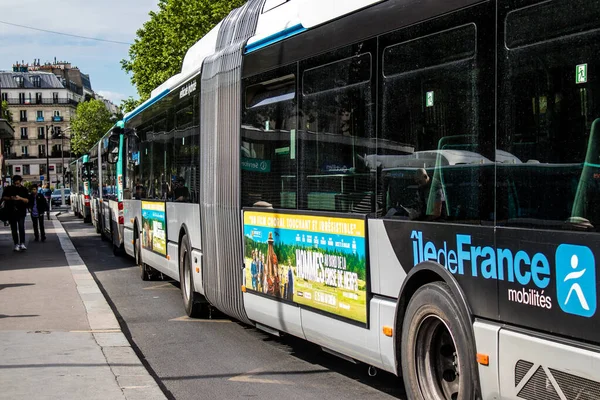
[549, 117]
[268, 150]
[337, 130]
[432, 152]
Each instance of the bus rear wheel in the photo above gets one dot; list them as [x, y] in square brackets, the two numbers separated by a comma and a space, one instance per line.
[438, 358]
[194, 306]
[147, 273]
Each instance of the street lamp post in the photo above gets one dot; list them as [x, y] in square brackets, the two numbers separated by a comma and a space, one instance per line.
[49, 130]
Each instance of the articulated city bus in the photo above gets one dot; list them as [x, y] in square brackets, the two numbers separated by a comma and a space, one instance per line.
[80, 188]
[411, 184]
[106, 191]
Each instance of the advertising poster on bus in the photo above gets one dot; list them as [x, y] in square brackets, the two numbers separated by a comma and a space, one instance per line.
[154, 234]
[315, 261]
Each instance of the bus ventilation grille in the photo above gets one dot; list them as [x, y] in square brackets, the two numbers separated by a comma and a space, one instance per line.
[551, 384]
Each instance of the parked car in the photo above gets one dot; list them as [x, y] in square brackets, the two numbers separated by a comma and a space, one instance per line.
[56, 197]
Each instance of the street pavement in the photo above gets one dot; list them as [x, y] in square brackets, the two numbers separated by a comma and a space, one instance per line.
[216, 358]
[59, 339]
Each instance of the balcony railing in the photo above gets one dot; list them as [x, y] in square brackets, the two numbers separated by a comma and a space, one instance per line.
[39, 119]
[23, 119]
[56, 100]
[57, 119]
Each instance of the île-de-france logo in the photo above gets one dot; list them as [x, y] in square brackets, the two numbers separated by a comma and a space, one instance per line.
[576, 280]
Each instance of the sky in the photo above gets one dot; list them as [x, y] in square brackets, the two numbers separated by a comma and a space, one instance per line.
[116, 20]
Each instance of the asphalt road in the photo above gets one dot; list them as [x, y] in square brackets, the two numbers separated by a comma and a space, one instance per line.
[217, 358]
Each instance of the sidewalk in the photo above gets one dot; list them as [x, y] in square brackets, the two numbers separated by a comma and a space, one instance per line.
[58, 337]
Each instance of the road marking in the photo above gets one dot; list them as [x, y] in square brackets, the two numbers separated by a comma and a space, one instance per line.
[248, 378]
[163, 286]
[185, 318]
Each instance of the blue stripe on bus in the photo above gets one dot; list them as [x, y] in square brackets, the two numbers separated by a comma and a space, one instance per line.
[148, 104]
[274, 38]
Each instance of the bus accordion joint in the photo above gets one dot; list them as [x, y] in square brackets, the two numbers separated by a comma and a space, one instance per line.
[483, 359]
[388, 331]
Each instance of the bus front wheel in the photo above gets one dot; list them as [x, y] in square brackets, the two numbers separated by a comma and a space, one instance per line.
[438, 358]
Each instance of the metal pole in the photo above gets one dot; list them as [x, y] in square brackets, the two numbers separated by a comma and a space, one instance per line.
[47, 153]
[62, 187]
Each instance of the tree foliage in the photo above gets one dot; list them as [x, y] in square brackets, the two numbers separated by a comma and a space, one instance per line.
[162, 42]
[91, 122]
[5, 112]
[129, 104]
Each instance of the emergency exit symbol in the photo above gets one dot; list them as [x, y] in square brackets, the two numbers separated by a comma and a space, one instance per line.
[582, 74]
[429, 99]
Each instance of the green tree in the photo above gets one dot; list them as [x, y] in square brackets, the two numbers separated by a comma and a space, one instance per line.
[5, 112]
[7, 115]
[129, 104]
[91, 122]
[162, 42]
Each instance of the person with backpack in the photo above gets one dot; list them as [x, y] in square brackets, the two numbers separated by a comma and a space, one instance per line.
[37, 208]
[16, 199]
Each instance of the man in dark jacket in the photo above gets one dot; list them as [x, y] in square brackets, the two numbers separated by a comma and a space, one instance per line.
[37, 207]
[16, 199]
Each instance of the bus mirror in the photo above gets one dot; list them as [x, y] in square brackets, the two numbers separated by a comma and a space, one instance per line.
[113, 156]
[115, 136]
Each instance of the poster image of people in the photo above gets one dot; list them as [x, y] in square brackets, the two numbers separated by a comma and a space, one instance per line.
[154, 236]
[318, 262]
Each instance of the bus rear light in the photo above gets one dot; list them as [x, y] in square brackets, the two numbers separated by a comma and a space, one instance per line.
[121, 217]
[86, 200]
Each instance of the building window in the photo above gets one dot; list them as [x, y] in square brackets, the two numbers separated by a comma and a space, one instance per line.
[19, 81]
[40, 116]
[23, 115]
[41, 132]
[55, 97]
[21, 98]
[59, 169]
[23, 133]
[37, 82]
[38, 98]
[42, 169]
[42, 150]
[4, 96]
[24, 150]
[26, 170]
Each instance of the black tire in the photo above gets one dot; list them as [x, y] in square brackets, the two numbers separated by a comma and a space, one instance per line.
[147, 273]
[438, 353]
[192, 302]
[98, 227]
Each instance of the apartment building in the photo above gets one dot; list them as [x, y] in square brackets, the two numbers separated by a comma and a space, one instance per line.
[42, 105]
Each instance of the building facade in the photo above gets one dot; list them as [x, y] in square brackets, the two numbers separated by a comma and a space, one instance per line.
[42, 105]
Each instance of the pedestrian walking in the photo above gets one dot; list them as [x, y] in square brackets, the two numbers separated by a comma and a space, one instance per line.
[16, 198]
[47, 192]
[37, 208]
